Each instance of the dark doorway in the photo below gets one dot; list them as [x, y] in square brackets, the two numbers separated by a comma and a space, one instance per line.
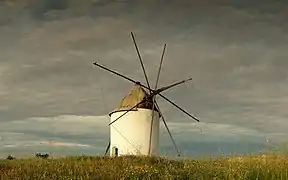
[115, 151]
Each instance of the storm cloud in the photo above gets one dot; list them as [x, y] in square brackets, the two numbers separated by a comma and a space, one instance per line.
[235, 51]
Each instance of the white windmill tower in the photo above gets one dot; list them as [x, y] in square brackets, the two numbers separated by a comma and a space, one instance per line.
[134, 125]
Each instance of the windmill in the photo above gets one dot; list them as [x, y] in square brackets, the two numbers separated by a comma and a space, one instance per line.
[134, 125]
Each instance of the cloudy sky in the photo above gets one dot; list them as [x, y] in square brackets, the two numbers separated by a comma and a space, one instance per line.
[236, 52]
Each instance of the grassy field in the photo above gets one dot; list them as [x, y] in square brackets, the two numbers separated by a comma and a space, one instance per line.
[256, 167]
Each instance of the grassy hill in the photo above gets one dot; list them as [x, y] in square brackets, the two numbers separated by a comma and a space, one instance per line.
[130, 167]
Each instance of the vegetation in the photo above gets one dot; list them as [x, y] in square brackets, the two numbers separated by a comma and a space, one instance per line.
[130, 167]
[43, 156]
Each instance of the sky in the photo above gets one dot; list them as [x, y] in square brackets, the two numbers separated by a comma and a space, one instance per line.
[235, 51]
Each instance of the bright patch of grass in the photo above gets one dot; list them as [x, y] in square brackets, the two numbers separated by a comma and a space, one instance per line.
[131, 167]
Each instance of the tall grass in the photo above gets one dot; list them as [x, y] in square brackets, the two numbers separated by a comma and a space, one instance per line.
[131, 167]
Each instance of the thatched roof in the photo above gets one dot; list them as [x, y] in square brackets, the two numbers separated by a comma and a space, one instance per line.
[136, 95]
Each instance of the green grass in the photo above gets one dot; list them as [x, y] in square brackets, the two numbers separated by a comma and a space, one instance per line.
[130, 167]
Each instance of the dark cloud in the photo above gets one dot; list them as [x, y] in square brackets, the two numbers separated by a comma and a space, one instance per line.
[234, 50]
[41, 9]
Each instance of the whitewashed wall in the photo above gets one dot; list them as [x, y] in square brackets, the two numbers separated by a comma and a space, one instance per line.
[131, 133]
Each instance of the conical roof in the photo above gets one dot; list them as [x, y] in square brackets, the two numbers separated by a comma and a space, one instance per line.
[136, 95]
